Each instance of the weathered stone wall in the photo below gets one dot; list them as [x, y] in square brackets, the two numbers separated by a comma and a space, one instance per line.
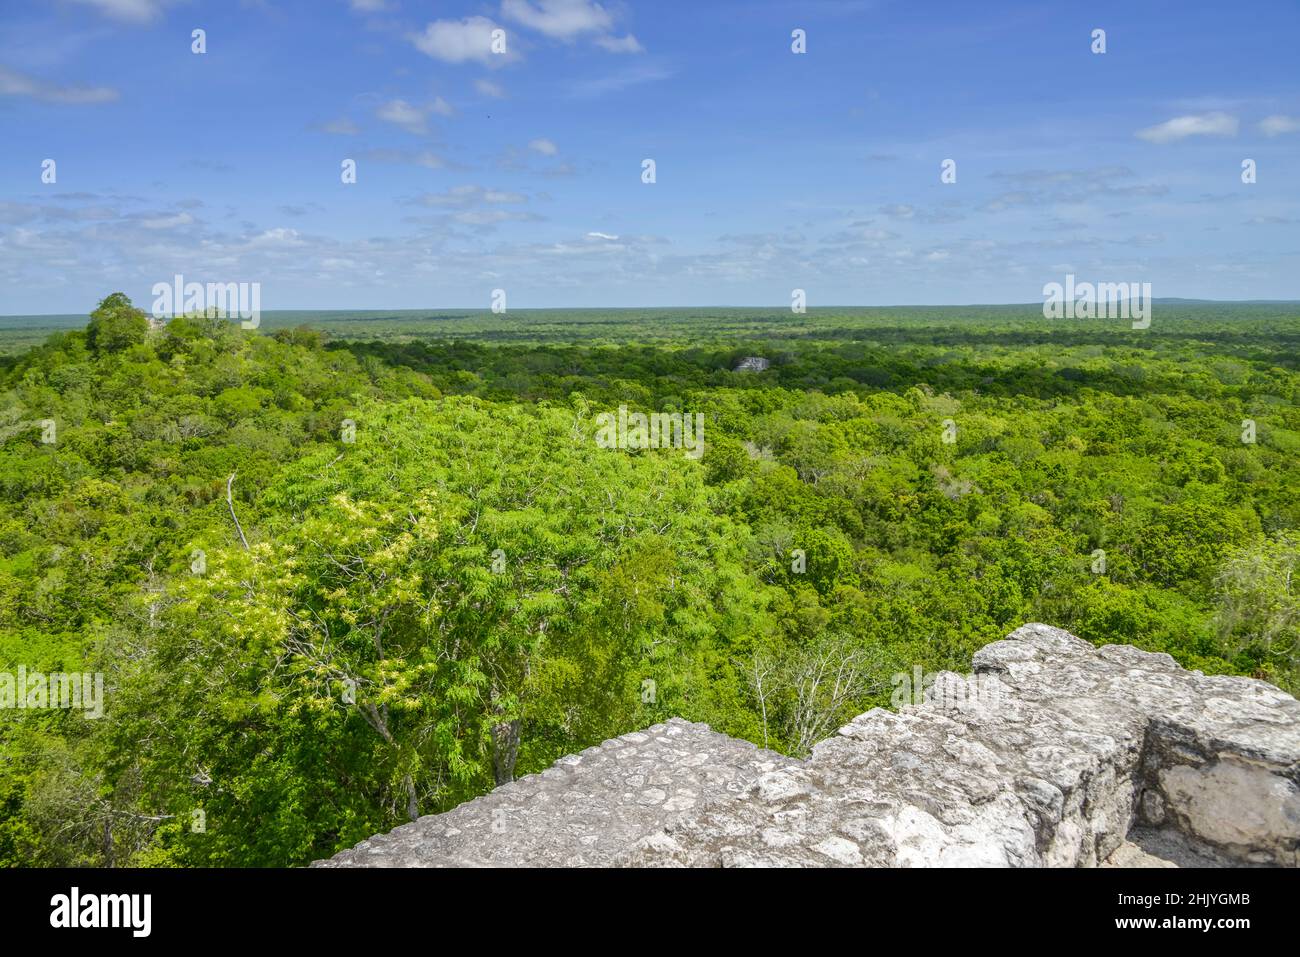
[1051, 753]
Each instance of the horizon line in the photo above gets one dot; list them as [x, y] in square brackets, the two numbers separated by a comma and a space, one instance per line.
[781, 308]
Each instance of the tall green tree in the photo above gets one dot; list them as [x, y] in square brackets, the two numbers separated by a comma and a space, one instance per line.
[116, 324]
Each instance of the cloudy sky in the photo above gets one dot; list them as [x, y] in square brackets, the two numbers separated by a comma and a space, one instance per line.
[523, 170]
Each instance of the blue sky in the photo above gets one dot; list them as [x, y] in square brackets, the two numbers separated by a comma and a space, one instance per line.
[522, 171]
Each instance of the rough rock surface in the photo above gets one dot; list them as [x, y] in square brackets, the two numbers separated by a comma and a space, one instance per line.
[1052, 753]
[584, 810]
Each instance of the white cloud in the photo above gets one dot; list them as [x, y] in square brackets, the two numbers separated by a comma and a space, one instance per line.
[1277, 124]
[465, 197]
[606, 236]
[1181, 127]
[490, 217]
[425, 158]
[442, 107]
[340, 127]
[403, 114]
[627, 44]
[460, 41]
[167, 222]
[488, 88]
[899, 211]
[558, 19]
[17, 84]
[545, 147]
[132, 11]
[368, 6]
[277, 237]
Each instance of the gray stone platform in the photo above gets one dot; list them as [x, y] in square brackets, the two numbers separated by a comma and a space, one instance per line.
[1049, 755]
[585, 810]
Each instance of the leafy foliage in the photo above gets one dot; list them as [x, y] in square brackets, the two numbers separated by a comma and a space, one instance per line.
[447, 581]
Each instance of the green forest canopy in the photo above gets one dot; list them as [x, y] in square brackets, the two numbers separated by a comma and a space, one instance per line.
[446, 581]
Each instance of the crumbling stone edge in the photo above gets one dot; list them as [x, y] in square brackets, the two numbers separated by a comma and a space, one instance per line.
[1049, 754]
